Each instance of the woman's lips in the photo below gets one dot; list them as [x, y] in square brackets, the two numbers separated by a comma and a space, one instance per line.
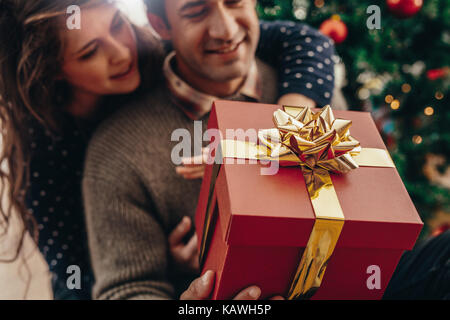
[125, 74]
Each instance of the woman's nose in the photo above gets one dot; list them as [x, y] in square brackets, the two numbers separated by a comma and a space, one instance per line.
[118, 51]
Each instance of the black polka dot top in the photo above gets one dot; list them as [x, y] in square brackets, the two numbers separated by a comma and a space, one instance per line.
[54, 199]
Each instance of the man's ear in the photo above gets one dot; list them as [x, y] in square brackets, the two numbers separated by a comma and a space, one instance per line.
[159, 25]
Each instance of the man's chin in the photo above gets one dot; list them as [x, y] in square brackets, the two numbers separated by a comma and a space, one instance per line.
[226, 73]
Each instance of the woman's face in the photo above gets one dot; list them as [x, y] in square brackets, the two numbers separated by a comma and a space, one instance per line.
[101, 57]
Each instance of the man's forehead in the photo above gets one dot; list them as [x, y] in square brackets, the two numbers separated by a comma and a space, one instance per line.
[160, 7]
[181, 3]
[195, 1]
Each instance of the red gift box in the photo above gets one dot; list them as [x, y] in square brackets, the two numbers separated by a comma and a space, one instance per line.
[262, 223]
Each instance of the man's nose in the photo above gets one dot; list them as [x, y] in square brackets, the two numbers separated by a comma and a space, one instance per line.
[118, 52]
[222, 24]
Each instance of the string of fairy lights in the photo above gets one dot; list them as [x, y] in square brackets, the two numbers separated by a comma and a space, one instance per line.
[428, 110]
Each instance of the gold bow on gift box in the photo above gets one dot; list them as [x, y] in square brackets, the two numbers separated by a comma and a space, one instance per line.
[320, 144]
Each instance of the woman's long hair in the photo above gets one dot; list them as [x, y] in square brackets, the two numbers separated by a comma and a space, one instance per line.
[31, 55]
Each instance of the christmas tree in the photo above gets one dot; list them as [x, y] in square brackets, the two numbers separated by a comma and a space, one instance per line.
[396, 57]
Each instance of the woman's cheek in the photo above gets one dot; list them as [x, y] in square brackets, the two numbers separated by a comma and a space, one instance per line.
[129, 38]
[96, 74]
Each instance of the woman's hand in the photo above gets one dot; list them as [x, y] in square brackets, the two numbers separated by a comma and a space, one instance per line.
[193, 167]
[184, 255]
[296, 99]
[201, 288]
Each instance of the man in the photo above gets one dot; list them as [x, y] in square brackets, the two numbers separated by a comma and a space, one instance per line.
[134, 198]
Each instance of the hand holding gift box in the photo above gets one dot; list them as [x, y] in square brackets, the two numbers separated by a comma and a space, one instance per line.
[303, 230]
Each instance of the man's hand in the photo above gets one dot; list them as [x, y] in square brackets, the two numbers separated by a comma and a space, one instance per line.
[184, 255]
[193, 167]
[201, 288]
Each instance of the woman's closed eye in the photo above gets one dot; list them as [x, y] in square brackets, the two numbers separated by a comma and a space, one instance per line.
[89, 54]
[115, 28]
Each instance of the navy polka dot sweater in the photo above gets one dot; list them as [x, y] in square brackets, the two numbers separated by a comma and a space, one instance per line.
[303, 59]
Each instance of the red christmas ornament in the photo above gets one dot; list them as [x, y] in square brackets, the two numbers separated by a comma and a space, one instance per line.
[434, 74]
[404, 8]
[335, 29]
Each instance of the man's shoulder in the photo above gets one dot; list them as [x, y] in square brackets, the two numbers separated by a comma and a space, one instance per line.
[137, 110]
[140, 116]
[124, 135]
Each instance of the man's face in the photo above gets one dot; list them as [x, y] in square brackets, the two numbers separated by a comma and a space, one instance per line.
[215, 40]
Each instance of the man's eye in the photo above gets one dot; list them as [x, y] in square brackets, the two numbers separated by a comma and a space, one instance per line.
[195, 11]
[89, 54]
[234, 2]
[194, 14]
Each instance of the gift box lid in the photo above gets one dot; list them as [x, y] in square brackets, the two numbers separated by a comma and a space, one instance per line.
[275, 210]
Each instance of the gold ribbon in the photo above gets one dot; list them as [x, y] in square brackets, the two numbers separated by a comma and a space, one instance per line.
[320, 144]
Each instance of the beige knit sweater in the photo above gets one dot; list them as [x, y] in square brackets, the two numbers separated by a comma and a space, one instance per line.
[133, 197]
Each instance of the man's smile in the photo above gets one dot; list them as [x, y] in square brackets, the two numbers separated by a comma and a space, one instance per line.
[226, 48]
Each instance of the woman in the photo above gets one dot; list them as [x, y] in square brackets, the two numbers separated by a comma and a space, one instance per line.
[56, 86]
[53, 92]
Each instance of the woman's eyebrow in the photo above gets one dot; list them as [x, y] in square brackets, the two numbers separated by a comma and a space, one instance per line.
[86, 46]
[116, 15]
